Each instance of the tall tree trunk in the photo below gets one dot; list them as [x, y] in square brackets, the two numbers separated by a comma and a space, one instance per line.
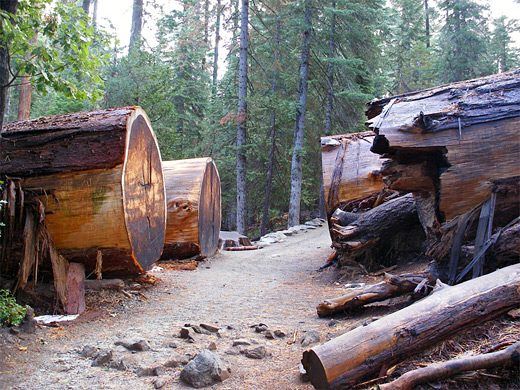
[86, 6]
[24, 98]
[272, 134]
[137, 24]
[7, 6]
[215, 52]
[94, 13]
[206, 32]
[427, 15]
[330, 98]
[242, 121]
[330, 72]
[297, 156]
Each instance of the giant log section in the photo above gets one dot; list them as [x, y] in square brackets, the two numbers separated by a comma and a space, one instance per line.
[193, 208]
[99, 176]
[464, 133]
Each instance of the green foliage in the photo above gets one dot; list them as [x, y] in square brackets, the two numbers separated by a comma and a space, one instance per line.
[11, 313]
[62, 49]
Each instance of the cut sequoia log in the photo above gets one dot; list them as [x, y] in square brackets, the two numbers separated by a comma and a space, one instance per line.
[99, 177]
[193, 204]
[456, 137]
[350, 170]
[363, 352]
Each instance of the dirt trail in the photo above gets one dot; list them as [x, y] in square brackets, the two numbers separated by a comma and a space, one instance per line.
[277, 285]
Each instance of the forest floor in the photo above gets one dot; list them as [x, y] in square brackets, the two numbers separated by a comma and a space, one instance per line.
[278, 286]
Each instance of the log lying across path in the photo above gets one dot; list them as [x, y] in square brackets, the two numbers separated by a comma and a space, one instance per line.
[99, 176]
[194, 215]
[348, 359]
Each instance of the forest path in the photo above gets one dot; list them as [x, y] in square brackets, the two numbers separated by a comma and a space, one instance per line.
[278, 285]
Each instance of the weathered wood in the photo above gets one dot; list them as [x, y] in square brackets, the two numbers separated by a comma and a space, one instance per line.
[468, 130]
[506, 357]
[232, 240]
[392, 287]
[75, 290]
[362, 352]
[99, 176]
[193, 208]
[349, 170]
[369, 236]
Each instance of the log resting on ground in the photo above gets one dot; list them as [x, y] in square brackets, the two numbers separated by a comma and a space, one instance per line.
[393, 286]
[362, 352]
[371, 236]
[506, 357]
[99, 176]
[193, 199]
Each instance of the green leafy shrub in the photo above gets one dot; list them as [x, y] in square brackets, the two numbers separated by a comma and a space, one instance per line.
[11, 313]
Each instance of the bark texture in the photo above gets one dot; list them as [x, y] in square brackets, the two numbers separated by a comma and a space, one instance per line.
[193, 208]
[361, 353]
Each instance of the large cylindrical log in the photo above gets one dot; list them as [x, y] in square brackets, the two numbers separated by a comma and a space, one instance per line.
[193, 208]
[99, 176]
[348, 359]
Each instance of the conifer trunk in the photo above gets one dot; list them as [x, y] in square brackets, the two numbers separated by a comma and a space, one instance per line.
[215, 52]
[297, 156]
[137, 23]
[242, 121]
[272, 134]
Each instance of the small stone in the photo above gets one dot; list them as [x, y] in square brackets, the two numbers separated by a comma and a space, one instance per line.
[210, 328]
[269, 335]
[134, 345]
[311, 337]
[28, 324]
[102, 357]
[260, 328]
[174, 344]
[279, 333]
[233, 351]
[159, 370]
[146, 371]
[184, 333]
[186, 358]
[205, 370]
[199, 330]
[159, 383]
[332, 322]
[238, 342]
[256, 353]
[88, 351]
[15, 331]
[212, 346]
[173, 362]
[123, 364]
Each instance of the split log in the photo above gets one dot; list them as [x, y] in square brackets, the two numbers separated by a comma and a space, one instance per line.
[466, 131]
[350, 171]
[99, 176]
[370, 236]
[506, 357]
[362, 352]
[193, 208]
[392, 287]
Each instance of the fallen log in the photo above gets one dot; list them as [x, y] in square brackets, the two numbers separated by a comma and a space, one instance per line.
[362, 352]
[232, 240]
[104, 284]
[371, 236]
[506, 357]
[193, 208]
[99, 177]
[458, 136]
[350, 171]
[392, 287]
